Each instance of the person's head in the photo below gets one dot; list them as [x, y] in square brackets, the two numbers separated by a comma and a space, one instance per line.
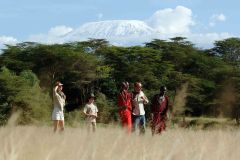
[91, 98]
[163, 90]
[125, 85]
[137, 86]
[59, 85]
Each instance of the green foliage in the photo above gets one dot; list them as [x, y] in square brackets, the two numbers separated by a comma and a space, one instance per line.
[107, 109]
[228, 49]
[74, 118]
[23, 93]
[136, 64]
[95, 66]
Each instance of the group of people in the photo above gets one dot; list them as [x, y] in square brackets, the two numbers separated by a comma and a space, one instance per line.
[59, 99]
[131, 109]
[132, 112]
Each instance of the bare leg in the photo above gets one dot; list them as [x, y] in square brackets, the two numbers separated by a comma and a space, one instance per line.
[94, 125]
[89, 126]
[55, 125]
[61, 124]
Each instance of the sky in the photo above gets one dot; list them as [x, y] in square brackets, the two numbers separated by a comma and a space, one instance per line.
[201, 21]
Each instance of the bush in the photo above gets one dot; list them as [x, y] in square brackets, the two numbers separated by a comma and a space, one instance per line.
[22, 93]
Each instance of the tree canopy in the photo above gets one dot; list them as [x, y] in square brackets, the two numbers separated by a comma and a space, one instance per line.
[28, 71]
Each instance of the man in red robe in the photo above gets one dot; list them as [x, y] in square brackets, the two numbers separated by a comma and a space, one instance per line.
[125, 106]
[159, 110]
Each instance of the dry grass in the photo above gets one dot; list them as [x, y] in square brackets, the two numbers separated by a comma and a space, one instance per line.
[39, 143]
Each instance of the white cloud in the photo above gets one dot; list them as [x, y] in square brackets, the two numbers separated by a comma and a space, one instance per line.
[221, 17]
[217, 18]
[54, 35]
[45, 38]
[172, 21]
[206, 40]
[7, 40]
[59, 31]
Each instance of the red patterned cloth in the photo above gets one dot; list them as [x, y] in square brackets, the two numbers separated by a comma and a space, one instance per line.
[125, 108]
[159, 110]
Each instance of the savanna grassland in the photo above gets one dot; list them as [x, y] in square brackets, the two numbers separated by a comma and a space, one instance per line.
[200, 82]
[108, 143]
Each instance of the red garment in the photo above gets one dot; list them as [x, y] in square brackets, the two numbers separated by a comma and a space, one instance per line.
[159, 110]
[125, 108]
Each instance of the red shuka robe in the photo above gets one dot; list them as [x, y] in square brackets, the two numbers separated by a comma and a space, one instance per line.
[159, 110]
[125, 108]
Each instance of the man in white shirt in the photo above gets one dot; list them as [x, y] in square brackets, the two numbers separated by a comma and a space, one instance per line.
[138, 101]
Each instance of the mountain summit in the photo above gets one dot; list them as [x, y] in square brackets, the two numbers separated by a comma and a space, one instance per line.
[116, 31]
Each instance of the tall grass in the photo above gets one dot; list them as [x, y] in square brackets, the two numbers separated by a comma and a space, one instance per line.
[111, 143]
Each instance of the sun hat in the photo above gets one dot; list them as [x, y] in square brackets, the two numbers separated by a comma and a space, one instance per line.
[58, 83]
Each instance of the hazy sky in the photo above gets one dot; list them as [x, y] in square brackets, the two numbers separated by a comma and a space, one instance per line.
[203, 21]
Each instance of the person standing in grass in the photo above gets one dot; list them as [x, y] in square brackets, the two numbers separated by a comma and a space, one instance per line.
[58, 103]
[139, 99]
[159, 108]
[91, 110]
[125, 106]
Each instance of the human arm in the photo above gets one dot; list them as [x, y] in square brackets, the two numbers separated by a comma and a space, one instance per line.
[58, 100]
[86, 110]
[144, 98]
[55, 90]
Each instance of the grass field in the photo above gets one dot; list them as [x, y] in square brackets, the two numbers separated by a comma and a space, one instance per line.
[111, 143]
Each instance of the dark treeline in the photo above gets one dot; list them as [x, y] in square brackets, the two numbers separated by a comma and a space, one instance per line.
[29, 70]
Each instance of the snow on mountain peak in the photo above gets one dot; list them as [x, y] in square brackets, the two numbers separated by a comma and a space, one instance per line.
[112, 29]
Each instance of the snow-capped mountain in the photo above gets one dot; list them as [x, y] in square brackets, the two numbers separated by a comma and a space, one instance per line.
[116, 31]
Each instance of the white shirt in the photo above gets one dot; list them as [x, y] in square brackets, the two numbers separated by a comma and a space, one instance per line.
[138, 104]
[58, 100]
[92, 110]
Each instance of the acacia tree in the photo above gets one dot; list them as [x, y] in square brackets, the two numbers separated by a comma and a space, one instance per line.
[228, 49]
[22, 93]
[70, 63]
[47, 61]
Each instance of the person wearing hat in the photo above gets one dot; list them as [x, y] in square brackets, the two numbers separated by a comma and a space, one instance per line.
[125, 106]
[58, 106]
[91, 110]
[159, 108]
[138, 113]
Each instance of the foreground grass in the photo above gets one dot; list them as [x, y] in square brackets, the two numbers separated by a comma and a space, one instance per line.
[39, 143]
[205, 123]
